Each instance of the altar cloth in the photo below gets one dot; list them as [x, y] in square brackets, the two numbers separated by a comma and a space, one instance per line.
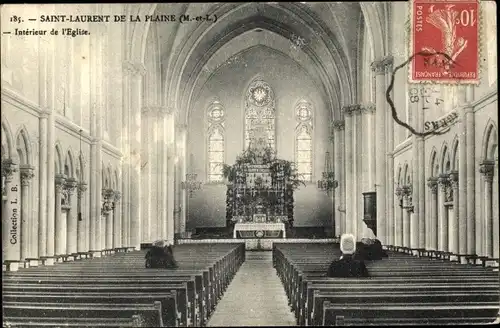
[259, 226]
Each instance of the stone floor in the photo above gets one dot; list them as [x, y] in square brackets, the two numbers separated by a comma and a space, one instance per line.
[255, 297]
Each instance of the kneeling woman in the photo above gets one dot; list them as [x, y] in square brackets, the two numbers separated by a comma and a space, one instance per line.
[161, 256]
[347, 266]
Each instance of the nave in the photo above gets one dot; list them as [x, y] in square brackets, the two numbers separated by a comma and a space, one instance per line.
[220, 285]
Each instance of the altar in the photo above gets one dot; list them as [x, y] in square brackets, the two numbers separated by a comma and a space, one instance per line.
[259, 199]
[259, 230]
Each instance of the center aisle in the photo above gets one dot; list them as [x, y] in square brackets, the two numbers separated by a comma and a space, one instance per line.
[255, 297]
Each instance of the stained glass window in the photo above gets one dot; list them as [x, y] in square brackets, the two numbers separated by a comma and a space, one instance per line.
[259, 114]
[215, 154]
[303, 141]
[304, 154]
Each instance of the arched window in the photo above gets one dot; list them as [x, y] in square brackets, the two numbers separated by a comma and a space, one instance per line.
[259, 114]
[303, 141]
[215, 141]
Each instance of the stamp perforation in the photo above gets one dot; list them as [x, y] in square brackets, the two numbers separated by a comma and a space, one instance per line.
[479, 45]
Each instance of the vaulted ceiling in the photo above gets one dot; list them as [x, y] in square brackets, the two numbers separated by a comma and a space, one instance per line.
[323, 38]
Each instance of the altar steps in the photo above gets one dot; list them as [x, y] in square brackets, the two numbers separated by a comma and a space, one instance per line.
[255, 296]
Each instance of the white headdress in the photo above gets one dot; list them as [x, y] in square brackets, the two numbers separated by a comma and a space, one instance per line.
[347, 244]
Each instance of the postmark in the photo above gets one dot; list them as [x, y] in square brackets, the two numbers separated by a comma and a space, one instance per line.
[440, 27]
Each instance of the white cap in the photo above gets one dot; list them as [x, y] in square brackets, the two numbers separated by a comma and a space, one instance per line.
[347, 244]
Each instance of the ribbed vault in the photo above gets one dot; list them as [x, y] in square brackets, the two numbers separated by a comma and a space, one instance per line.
[327, 49]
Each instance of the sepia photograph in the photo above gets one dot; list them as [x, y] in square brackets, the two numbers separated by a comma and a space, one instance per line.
[249, 164]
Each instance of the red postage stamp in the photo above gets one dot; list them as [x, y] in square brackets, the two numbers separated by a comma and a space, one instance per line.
[445, 41]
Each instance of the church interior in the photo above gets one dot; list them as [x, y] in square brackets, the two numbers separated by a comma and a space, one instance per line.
[251, 137]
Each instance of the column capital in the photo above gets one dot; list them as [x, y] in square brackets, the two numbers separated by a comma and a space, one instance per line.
[351, 109]
[137, 69]
[432, 183]
[82, 187]
[159, 111]
[369, 108]
[453, 176]
[398, 192]
[117, 196]
[26, 174]
[165, 110]
[59, 180]
[487, 169]
[69, 185]
[443, 181]
[382, 66]
[338, 125]
[8, 169]
[107, 194]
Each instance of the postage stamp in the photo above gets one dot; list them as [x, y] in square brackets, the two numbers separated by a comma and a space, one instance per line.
[446, 34]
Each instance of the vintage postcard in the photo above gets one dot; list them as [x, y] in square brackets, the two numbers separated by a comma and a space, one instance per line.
[250, 164]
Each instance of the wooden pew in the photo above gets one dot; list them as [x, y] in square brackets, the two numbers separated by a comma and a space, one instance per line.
[400, 297]
[168, 301]
[412, 314]
[135, 321]
[210, 270]
[146, 315]
[301, 268]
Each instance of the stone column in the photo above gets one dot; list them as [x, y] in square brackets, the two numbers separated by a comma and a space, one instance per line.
[407, 223]
[40, 248]
[380, 68]
[433, 228]
[71, 223]
[183, 169]
[26, 219]
[108, 196]
[471, 178]
[135, 88]
[443, 182]
[117, 221]
[487, 169]
[148, 170]
[462, 181]
[109, 228]
[420, 193]
[453, 221]
[95, 200]
[357, 124]
[338, 127]
[348, 168]
[59, 186]
[163, 113]
[398, 220]
[81, 226]
[170, 174]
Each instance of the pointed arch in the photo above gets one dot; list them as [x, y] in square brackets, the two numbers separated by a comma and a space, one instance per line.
[69, 164]
[407, 174]
[23, 146]
[399, 175]
[454, 154]
[490, 142]
[434, 163]
[7, 143]
[111, 181]
[445, 162]
[104, 177]
[59, 168]
[116, 179]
